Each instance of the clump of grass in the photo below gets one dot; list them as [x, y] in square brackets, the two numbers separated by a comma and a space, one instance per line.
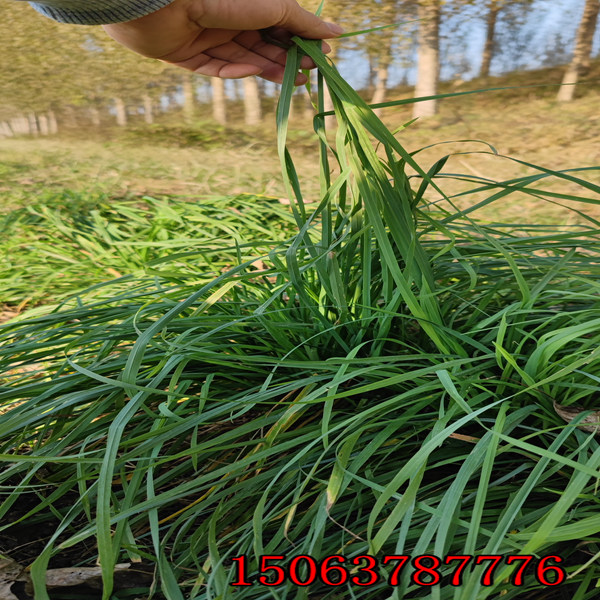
[204, 133]
[67, 241]
[384, 385]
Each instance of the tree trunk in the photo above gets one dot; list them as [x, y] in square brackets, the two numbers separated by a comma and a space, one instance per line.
[33, 124]
[121, 112]
[252, 102]
[95, 116]
[20, 125]
[52, 122]
[330, 122]
[428, 69]
[69, 117]
[372, 77]
[488, 48]
[582, 52]
[381, 85]
[189, 99]
[44, 125]
[588, 41]
[219, 100]
[148, 109]
[5, 129]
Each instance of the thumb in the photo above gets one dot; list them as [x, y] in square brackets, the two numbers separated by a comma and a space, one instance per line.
[303, 23]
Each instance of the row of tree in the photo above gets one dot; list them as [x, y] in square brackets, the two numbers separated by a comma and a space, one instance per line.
[430, 12]
[51, 72]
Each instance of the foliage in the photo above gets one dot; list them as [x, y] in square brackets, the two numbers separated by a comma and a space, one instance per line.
[48, 65]
[206, 133]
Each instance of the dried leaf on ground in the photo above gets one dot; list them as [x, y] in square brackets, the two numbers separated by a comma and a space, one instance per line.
[69, 576]
[589, 423]
[10, 573]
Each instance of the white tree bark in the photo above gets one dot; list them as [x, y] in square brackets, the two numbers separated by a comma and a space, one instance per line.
[33, 124]
[121, 112]
[5, 129]
[95, 116]
[44, 126]
[189, 99]
[330, 121]
[148, 109]
[582, 52]
[219, 100]
[380, 86]
[428, 68]
[252, 101]
[488, 48]
[20, 125]
[52, 123]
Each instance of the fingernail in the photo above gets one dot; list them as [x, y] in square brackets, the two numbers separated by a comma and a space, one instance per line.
[335, 28]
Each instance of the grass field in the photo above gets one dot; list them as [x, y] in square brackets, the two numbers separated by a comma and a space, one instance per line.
[384, 363]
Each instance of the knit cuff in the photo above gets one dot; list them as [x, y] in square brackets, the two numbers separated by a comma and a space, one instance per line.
[98, 12]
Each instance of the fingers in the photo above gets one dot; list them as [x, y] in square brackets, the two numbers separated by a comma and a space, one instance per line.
[236, 54]
[303, 23]
[215, 67]
[260, 14]
[220, 68]
[253, 41]
[244, 55]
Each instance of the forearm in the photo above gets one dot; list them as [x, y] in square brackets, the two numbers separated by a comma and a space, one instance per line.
[97, 12]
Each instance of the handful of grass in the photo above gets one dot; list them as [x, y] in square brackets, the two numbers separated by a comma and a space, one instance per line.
[383, 385]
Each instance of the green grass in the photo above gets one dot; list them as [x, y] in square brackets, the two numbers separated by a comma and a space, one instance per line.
[68, 241]
[382, 384]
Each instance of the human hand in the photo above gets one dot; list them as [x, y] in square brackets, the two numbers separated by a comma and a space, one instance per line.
[222, 38]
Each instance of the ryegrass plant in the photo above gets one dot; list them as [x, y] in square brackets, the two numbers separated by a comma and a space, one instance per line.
[68, 241]
[384, 384]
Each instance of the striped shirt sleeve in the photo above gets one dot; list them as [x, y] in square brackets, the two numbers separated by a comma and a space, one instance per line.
[97, 12]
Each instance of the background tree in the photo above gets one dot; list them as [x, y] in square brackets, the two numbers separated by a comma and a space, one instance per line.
[346, 14]
[385, 47]
[493, 8]
[501, 19]
[67, 69]
[428, 61]
[30, 60]
[51, 72]
[113, 74]
[188, 86]
[252, 101]
[219, 100]
[583, 50]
